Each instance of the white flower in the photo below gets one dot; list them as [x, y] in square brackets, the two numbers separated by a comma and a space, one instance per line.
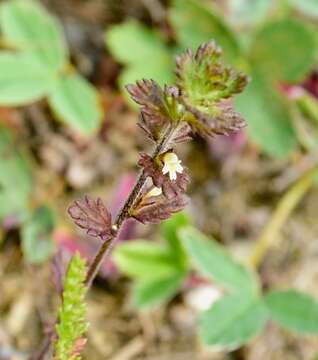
[172, 165]
[155, 191]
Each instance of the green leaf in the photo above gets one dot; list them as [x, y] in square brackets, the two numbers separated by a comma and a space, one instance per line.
[169, 229]
[27, 26]
[148, 293]
[37, 241]
[284, 50]
[195, 22]
[22, 79]
[132, 42]
[142, 51]
[72, 322]
[294, 310]
[308, 7]
[143, 260]
[268, 117]
[232, 321]
[15, 176]
[75, 101]
[212, 260]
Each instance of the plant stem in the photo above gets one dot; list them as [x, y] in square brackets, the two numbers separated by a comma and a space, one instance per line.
[270, 234]
[106, 247]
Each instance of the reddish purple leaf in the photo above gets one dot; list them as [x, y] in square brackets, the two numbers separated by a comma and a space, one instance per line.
[150, 96]
[92, 215]
[154, 209]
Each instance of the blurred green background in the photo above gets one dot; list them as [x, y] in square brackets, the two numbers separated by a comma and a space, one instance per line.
[67, 128]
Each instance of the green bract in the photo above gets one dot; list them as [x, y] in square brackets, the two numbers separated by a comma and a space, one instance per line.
[207, 87]
[72, 323]
[205, 80]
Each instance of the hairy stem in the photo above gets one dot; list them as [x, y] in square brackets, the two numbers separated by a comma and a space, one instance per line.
[106, 247]
[163, 144]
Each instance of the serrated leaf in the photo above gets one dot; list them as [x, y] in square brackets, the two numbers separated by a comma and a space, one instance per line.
[27, 26]
[15, 176]
[294, 310]
[22, 79]
[284, 50]
[232, 321]
[143, 260]
[268, 117]
[155, 291]
[207, 87]
[195, 22]
[93, 216]
[142, 51]
[205, 79]
[308, 7]
[213, 261]
[75, 101]
[37, 241]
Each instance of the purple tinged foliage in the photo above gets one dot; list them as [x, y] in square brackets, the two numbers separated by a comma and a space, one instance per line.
[92, 215]
[154, 209]
[206, 91]
[200, 103]
[153, 169]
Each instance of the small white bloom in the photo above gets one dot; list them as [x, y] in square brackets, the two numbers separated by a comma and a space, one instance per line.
[155, 191]
[172, 165]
